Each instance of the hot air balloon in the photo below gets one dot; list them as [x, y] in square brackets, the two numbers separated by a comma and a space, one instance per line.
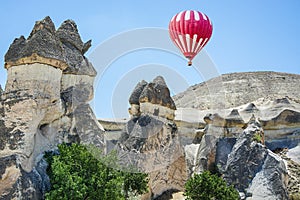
[190, 31]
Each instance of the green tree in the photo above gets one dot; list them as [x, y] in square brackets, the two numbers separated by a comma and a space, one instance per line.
[83, 172]
[135, 183]
[207, 186]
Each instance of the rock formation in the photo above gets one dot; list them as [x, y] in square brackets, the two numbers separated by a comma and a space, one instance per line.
[279, 119]
[223, 143]
[255, 170]
[45, 102]
[293, 169]
[287, 122]
[153, 98]
[243, 161]
[151, 141]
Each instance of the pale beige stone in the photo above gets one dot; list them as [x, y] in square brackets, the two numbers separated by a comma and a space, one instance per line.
[157, 110]
[9, 178]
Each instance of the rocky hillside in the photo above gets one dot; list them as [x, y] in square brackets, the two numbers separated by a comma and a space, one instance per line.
[232, 90]
[229, 101]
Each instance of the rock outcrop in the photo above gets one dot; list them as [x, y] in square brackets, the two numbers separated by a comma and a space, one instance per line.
[283, 130]
[150, 140]
[293, 173]
[19, 184]
[255, 170]
[153, 98]
[42, 46]
[45, 102]
[243, 161]
[278, 117]
[236, 150]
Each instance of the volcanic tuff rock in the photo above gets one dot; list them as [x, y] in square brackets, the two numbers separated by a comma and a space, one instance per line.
[264, 173]
[34, 183]
[41, 46]
[153, 98]
[150, 140]
[262, 94]
[45, 102]
[237, 89]
[218, 128]
[271, 97]
[279, 119]
[152, 145]
[242, 161]
[294, 174]
[61, 48]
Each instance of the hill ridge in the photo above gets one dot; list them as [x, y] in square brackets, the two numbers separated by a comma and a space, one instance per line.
[238, 88]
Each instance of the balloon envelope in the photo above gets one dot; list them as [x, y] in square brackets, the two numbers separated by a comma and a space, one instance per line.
[190, 30]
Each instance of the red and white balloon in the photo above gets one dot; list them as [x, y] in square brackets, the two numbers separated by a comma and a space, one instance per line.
[190, 30]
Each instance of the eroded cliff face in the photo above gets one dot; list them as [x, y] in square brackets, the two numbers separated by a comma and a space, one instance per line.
[45, 102]
[275, 103]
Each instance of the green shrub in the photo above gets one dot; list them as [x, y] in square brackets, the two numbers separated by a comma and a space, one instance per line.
[257, 137]
[207, 186]
[81, 172]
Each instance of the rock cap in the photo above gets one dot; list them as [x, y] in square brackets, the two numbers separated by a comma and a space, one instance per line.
[61, 48]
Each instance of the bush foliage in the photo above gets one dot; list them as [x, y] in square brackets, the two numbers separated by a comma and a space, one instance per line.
[207, 186]
[82, 172]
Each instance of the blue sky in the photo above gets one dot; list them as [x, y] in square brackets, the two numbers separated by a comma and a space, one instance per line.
[249, 35]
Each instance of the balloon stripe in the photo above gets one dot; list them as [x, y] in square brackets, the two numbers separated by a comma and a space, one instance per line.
[204, 16]
[179, 16]
[201, 24]
[194, 42]
[206, 30]
[172, 31]
[187, 15]
[198, 45]
[180, 25]
[178, 45]
[185, 26]
[176, 27]
[196, 14]
[172, 18]
[202, 45]
[187, 37]
[182, 43]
